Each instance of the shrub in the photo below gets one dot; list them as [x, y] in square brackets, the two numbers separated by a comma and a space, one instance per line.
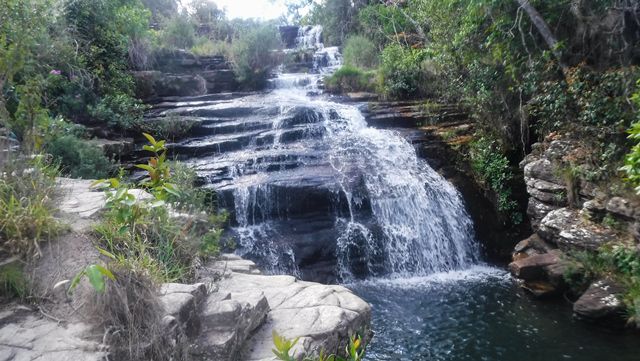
[492, 168]
[26, 205]
[208, 47]
[617, 261]
[118, 110]
[350, 79]
[360, 52]
[354, 351]
[78, 158]
[404, 72]
[179, 33]
[632, 160]
[253, 57]
[140, 234]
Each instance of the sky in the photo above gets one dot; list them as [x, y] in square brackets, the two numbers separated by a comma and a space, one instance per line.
[265, 9]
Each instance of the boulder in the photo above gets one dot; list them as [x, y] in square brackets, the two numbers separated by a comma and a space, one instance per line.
[537, 210]
[182, 302]
[567, 229]
[601, 303]
[623, 208]
[323, 316]
[228, 319]
[544, 170]
[531, 246]
[533, 267]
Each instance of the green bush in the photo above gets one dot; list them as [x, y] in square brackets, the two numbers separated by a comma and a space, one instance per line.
[118, 110]
[632, 160]
[26, 205]
[78, 158]
[178, 33]
[208, 47]
[492, 168]
[404, 72]
[141, 235]
[350, 79]
[360, 52]
[253, 57]
[619, 262]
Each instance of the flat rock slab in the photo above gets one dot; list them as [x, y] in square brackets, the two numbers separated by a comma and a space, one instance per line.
[27, 336]
[83, 202]
[323, 316]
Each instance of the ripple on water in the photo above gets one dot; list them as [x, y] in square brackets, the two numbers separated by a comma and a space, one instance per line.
[478, 314]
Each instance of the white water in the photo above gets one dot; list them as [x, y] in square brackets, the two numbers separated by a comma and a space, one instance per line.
[419, 226]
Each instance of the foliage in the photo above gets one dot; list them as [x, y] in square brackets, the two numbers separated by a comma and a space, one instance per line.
[78, 158]
[350, 79]
[26, 204]
[253, 57]
[492, 168]
[360, 52]
[178, 33]
[158, 169]
[96, 274]
[207, 47]
[403, 72]
[139, 233]
[355, 350]
[386, 24]
[632, 160]
[339, 18]
[118, 110]
[619, 262]
[13, 283]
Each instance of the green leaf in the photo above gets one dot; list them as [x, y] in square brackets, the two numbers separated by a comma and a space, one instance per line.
[105, 272]
[76, 280]
[146, 167]
[151, 139]
[96, 278]
[106, 253]
[149, 148]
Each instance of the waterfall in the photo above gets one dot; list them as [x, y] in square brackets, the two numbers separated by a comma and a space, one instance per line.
[309, 182]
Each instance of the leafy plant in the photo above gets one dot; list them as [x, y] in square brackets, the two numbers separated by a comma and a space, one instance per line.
[26, 204]
[158, 169]
[97, 276]
[350, 79]
[354, 351]
[78, 158]
[360, 52]
[492, 168]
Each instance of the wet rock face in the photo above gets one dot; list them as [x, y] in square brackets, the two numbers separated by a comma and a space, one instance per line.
[288, 34]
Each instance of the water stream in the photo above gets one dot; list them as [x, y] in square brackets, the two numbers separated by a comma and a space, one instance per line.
[317, 193]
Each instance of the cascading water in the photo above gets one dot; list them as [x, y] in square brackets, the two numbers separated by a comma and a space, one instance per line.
[390, 213]
[313, 191]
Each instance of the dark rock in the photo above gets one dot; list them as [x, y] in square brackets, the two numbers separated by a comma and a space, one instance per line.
[594, 209]
[539, 289]
[532, 268]
[531, 246]
[288, 34]
[601, 303]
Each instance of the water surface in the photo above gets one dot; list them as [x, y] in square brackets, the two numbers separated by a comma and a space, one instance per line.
[480, 314]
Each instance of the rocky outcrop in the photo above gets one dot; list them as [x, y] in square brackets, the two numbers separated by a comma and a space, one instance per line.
[180, 73]
[601, 303]
[568, 214]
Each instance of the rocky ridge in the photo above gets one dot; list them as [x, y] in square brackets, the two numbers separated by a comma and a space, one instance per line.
[567, 213]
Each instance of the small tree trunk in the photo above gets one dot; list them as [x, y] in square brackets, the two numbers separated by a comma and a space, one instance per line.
[544, 31]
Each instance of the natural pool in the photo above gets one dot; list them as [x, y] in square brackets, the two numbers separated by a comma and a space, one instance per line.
[479, 314]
